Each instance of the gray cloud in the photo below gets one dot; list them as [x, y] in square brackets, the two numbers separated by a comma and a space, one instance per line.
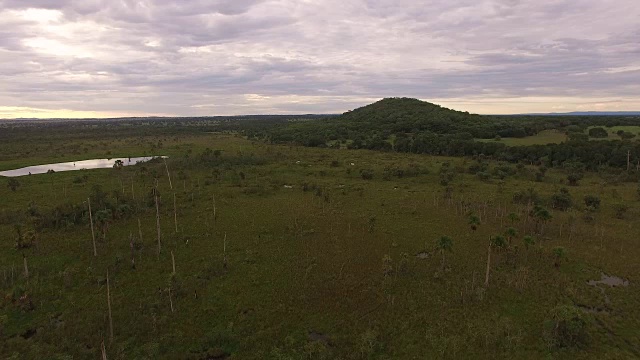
[199, 57]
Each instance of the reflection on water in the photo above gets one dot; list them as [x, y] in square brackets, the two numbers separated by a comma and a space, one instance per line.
[75, 165]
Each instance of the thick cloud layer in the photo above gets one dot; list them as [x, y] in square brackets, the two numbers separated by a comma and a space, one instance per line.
[204, 57]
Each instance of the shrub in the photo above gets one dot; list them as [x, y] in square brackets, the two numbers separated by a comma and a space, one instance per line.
[566, 328]
[562, 200]
[592, 202]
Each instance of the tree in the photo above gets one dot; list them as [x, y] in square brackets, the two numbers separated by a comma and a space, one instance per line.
[562, 200]
[598, 132]
[474, 222]
[494, 242]
[444, 244]
[118, 164]
[574, 178]
[528, 242]
[560, 253]
[510, 234]
[13, 184]
[513, 218]
[103, 219]
[541, 216]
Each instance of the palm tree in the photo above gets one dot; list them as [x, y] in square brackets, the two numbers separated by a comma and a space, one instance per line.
[560, 254]
[444, 244]
[474, 222]
[541, 216]
[511, 233]
[103, 219]
[513, 217]
[528, 241]
[497, 242]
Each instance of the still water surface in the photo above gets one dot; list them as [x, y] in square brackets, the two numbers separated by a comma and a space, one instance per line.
[75, 165]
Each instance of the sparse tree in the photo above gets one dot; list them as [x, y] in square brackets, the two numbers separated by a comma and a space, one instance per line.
[560, 253]
[444, 244]
[494, 242]
[510, 233]
[474, 222]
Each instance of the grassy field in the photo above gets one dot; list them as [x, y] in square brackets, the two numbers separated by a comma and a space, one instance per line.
[556, 137]
[301, 253]
[542, 138]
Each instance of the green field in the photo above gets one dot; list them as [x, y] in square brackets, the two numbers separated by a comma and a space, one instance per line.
[557, 136]
[320, 251]
[542, 138]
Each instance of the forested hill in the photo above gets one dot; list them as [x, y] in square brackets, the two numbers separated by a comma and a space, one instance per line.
[410, 125]
[404, 109]
[406, 115]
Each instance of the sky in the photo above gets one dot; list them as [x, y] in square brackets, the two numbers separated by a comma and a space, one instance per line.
[107, 58]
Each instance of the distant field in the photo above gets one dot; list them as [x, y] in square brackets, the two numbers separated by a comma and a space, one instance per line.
[614, 129]
[542, 138]
[556, 137]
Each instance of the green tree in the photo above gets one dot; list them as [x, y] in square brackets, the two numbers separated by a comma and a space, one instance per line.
[528, 242]
[598, 132]
[474, 222]
[497, 242]
[560, 253]
[510, 233]
[562, 200]
[541, 216]
[103, 220]
[513, 218]
[444, 244]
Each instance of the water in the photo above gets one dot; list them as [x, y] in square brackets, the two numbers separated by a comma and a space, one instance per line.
[75, 165]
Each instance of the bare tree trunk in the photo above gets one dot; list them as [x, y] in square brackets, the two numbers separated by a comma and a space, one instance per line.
[168, 175]
[173, 262]
[109, 306]
[158, 224]
[133, 194]
[140, 230]
[486, 277]
[175, 212]
[26, 268]
[104, 351]
[133, 259]
[224, 251]
[170, 300]
[93, 236]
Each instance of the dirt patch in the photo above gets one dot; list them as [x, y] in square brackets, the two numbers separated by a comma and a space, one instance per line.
[612, 281]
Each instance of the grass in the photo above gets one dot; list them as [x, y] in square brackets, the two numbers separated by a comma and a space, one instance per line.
[555, 137]
[542, 138]
[305, 276]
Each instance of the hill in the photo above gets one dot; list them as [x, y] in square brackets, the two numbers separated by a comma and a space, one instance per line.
[392, 109]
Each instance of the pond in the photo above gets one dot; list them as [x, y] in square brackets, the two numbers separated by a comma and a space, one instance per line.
[75, 165]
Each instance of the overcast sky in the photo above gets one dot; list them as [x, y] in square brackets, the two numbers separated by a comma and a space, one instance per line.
[76, 58]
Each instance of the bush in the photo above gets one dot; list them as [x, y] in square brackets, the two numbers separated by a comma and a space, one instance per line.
[592, 202]
[366, 174]
[562, 200]
[567, 328]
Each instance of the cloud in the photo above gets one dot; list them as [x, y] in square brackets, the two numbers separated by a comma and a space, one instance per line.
[199, 57]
